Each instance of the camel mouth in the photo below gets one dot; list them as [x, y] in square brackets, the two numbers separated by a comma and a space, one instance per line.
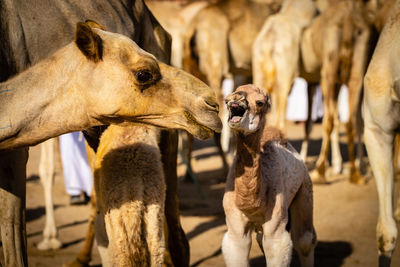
[237, 111]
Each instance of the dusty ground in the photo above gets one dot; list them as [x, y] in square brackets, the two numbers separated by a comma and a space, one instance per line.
[345, 215]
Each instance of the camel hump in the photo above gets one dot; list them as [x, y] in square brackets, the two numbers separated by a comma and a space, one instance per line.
[89, 42]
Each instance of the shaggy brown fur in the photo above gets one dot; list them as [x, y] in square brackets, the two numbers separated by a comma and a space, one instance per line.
[130, 163]
[267, 180]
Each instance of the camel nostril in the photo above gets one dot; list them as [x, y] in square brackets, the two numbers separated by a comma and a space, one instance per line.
[212, 105]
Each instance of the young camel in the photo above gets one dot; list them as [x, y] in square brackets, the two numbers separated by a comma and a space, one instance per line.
[128, 160]
[276, 53]
[79, 77]
[381, 118]
[267, 181]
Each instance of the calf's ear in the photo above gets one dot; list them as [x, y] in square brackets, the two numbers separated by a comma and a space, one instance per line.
[89, 42]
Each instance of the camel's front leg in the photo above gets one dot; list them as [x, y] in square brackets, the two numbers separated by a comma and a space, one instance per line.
[177, 241]
[237, 240]
[277, 243]
[359, 63]
[328, 85]
[308, 125]
[46, 173]
[380, 152]
[12, 199]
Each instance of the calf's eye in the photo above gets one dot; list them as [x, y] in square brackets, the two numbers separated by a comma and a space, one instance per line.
[260, 104]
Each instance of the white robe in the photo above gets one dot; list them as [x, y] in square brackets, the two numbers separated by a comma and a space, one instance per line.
[77, 174]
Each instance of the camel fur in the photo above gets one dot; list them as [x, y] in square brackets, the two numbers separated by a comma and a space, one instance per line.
[381, 118]
[134, 210]
[276, 53]
[22, 48]
[267, 183]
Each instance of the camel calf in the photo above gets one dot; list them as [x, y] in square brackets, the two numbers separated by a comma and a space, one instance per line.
[267, 181]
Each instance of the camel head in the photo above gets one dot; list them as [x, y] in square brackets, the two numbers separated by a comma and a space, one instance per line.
[247, 108]
[128, 84]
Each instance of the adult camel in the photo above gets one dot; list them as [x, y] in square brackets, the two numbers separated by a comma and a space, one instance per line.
[25, 43]
[382, 110]
[336, 46]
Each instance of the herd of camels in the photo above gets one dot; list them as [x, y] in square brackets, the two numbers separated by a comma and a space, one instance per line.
[105, 64]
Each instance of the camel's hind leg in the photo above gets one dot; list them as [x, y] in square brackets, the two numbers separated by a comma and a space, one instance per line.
[302, 228]
[46, 173]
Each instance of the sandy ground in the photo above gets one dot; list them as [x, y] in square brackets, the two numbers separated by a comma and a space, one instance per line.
[345, 214]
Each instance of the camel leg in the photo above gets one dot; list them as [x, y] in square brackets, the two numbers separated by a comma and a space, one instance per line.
[359, 63]
[46, 173]
[236, 242]
[85, 254]
[102, 240]
[277, 243]
[187, 147]
[12, 215]
[177, 242]
[337, 162]
[217, 138]
[328, 82]
[380, 152]
[283, 88]
[308, 125]
[301, 228]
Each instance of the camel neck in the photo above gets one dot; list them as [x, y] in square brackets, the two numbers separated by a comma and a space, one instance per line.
[248, 171]
[30, 100]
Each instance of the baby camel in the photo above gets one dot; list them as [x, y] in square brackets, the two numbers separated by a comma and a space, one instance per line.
[267, 181]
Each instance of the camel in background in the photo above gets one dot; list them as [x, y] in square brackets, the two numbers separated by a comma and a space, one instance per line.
[16, 54]
[381, 118]
[176, 24]
[213, 53]
[276, 54]
[336, 46]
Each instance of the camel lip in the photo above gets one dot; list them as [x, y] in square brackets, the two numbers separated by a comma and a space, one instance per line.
[204, 126]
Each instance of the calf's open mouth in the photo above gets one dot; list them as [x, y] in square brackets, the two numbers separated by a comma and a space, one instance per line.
[236, 111]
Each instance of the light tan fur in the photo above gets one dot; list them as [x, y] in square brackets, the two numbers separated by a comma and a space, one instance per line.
[276, 53]
[175, 17]
[267, 181]
[382, 113]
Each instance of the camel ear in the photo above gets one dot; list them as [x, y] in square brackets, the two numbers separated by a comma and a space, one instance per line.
[267, 102]
[89, 42]
[93, 24]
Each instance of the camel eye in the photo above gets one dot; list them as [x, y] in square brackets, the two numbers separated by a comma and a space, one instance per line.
[143, 76]
[260, 104]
